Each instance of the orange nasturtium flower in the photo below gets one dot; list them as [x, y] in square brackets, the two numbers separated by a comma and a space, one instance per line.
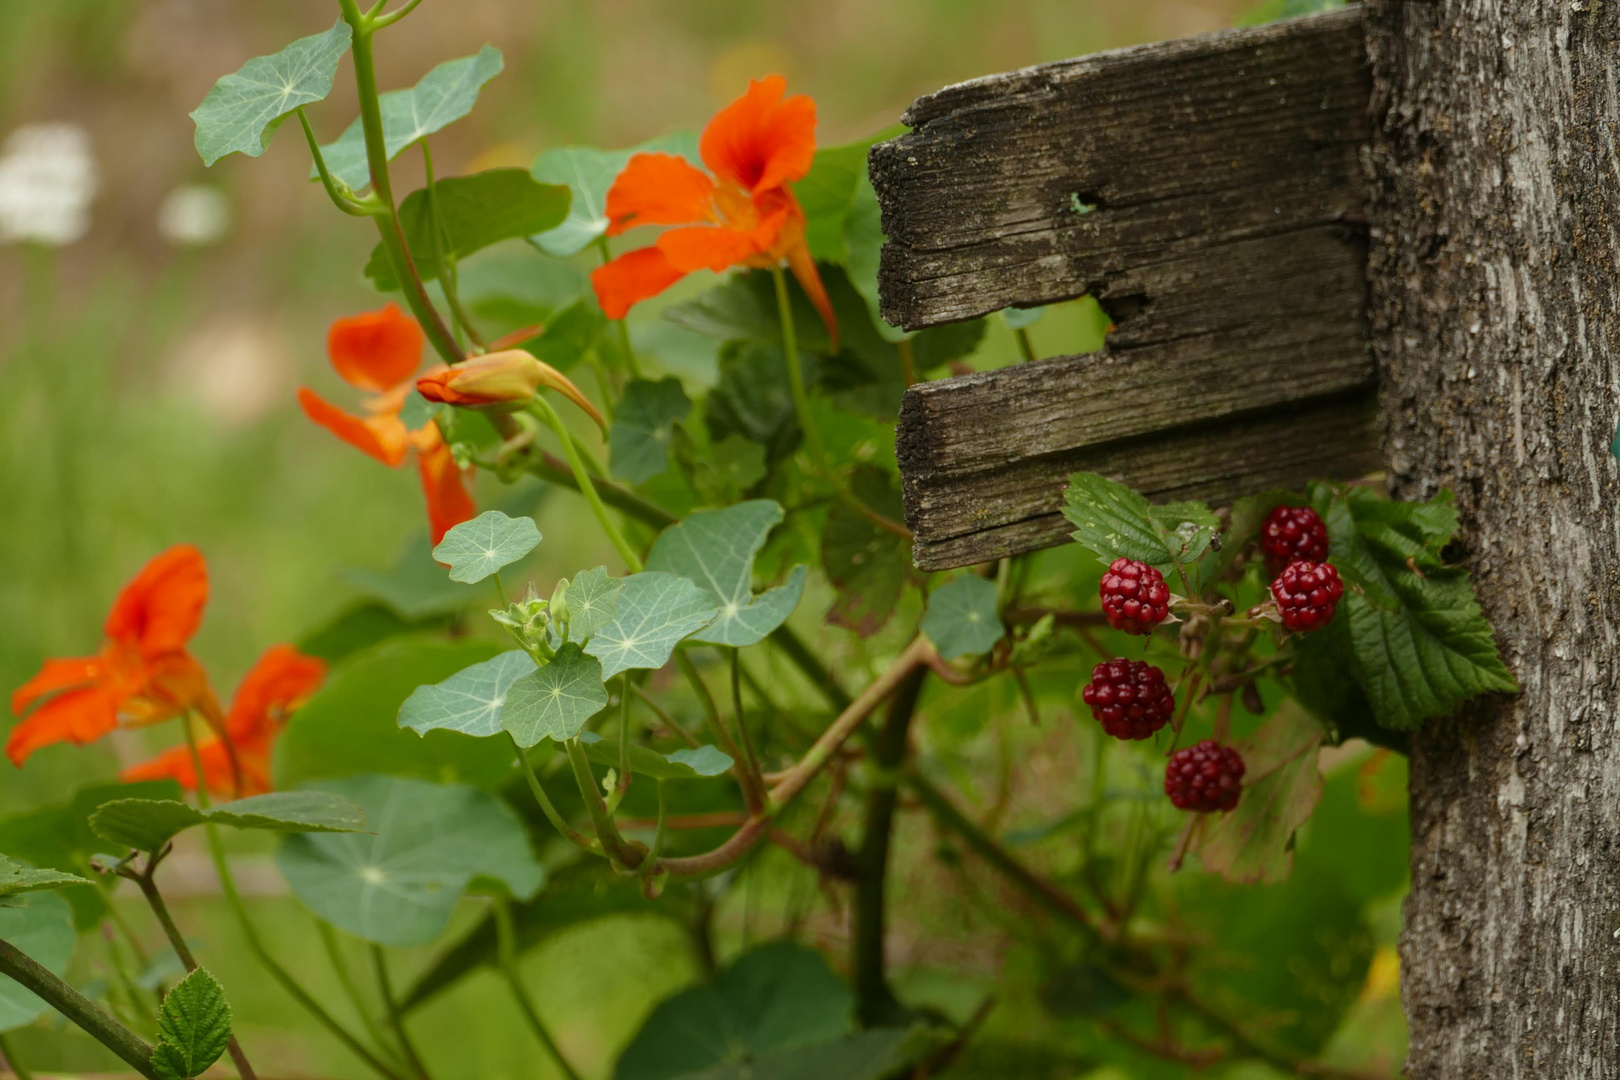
[281, 681]
[380, 352]
[500, 381]
[143, 673]
[745, 215]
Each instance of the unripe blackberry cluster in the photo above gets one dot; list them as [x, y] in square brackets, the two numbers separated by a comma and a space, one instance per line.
[1291, 533]
[1204, 777]
[1134, 596]
[1129, 698]
[1307, 594]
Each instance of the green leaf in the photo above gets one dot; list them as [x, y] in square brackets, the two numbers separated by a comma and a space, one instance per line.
[398, 885]
[778, 997]
[689, 764]
[243, 110]
[1272, 10]
[194, 1027]
[654, 612]
[754, 399]
[1114, 521]
[415, 587]
[555, 701]
[44, 931]
[478, 548]
[863, 241]
[570, 334]
[638, 442]
[1022, 318]
[744, 308]
[878, 1054]
[470, 701]
[445, 95]
[591, 600]
[867, 564]
[716, 549]
[826, 194]
[589, 173]
[1419, 644]
[352, 725]
[1282, 783]
[961, 619]
[474, 212]
[1187, 527]
[148, 824]
[16, 879]
[729, 469]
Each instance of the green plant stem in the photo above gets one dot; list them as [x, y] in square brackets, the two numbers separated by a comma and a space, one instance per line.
[9, 1056]
[801, 400]
[90, 1017]
[379, 21]
[334, 956]
[624, 734]
[396, 1019]
[875, 1003]
[613, 843]
[629, 351]
[742, 721]
[1025, 345]
[1002, 860]
[154, 900]
[664, 716]
[739, 769]
[546, 806]
[586, 487]
[388, 227]
[342, 199]
[446, 258]
[506, 956]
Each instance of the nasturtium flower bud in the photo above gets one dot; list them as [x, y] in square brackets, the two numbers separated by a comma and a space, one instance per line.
[500, 381]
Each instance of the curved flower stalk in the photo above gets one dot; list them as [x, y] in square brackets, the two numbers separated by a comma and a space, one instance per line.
[379, 352]
[278, 683]
[743, 215]
[142, 675]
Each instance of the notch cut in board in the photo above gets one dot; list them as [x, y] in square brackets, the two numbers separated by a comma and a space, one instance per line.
[1208, 192]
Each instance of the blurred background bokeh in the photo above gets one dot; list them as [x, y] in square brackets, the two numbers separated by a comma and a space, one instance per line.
[148, 367]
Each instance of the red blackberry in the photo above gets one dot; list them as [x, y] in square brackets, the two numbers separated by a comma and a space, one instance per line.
[1204, 777]
[1134, 597]
[1306, 594]
[1129, 698]
[1292, 533]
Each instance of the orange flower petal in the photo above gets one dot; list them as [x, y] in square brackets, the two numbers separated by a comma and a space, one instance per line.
[175, 764]
[56, 675]
[762, 141]
[376, 351]
[383, 437]
[78, 716]
[159, 610]
[708, 248]
[280, 681]
[632, 278]
[175, 684]
[658, 189]
[448, 503]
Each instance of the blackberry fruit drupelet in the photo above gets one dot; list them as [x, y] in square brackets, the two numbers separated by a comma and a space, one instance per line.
[1129, 698]
[1291, 533]
[1307, 594]
[1134, 596]
[1204, 777]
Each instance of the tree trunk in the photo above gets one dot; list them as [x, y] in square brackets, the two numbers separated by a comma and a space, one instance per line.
[1495, 219]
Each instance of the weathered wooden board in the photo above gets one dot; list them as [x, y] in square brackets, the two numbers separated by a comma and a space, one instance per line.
[1209, 193]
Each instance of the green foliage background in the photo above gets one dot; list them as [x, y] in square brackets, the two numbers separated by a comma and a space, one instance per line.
[146, 399]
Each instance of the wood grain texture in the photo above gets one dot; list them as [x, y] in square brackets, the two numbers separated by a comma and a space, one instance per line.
[1179, 149]
[977, 516]
[1496, 324]
[1226, 242]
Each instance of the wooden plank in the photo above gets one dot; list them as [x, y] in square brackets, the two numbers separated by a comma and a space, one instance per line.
[1223, 232]
[1176, 149]
[975, 517]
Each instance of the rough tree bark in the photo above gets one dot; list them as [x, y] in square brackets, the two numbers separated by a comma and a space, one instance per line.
[1495, 216]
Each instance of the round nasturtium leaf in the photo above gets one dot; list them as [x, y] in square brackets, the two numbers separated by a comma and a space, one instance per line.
[43, 930]
[399, 884]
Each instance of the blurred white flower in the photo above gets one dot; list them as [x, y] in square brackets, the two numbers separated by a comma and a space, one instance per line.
[194, 215]
[47, 179]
